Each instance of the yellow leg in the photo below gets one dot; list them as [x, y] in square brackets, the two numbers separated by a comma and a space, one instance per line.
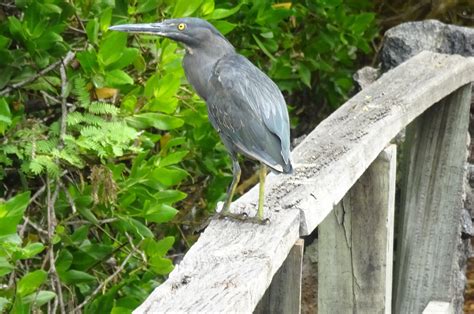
[261, 195]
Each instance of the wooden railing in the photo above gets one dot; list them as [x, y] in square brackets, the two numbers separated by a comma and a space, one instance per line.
[345, 183]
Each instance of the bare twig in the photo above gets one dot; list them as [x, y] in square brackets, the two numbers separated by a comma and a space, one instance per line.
[35, 226]
[49, 97]
[64, 112]
[55, 282]
[80, 31]
[130, 240]
[69, 56]
[107, 280]
[183, 236]
[69, 197]
[37, 194]
[87, 222]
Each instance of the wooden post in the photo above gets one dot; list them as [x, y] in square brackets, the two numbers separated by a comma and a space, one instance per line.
[356, 244]
[284, 294]
[432, 199]
[436, 307]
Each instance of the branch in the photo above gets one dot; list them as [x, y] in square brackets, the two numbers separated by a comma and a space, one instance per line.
[62, 71]
[69, 56]
[107, 280]
[55, 282]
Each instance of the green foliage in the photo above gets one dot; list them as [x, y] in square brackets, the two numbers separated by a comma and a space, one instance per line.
[106, 189]
[306, 44]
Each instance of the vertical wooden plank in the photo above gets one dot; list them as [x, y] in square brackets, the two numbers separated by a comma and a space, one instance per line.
[436, 307]
[284, 294]
[432, 199]
[356, 244]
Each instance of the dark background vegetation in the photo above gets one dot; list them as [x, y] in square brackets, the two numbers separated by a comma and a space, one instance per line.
[108, 165]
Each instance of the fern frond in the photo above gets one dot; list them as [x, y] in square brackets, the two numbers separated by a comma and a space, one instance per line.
[91, 131]
[92, 119]
[74, 118]
[103, 108]
[81, 92]
[35, 167]
[48, 163]
[46, 146]
[71, 157]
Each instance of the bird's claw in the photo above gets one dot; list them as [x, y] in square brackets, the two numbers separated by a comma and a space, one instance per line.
[243, 217]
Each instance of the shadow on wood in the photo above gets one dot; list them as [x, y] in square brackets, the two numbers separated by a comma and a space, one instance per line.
[284, 294]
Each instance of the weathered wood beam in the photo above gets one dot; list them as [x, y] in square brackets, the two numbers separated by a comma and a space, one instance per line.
[232, 264]
[432, 200]
[356, 244]
[339, 150]
[284, 294]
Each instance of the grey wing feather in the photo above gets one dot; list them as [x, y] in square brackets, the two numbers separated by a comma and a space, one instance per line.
[249, 111]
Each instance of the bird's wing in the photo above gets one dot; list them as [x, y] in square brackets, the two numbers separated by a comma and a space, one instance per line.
[248, 107]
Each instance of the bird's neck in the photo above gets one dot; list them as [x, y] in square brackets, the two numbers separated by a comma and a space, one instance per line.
[199, 62]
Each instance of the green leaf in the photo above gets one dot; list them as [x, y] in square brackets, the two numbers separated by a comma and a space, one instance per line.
[121, 310]
[7, 72]
[88, 60]
[4, 42]
[160, 213]
[16, 29]
[128, 57]
[264, 49]
[40, 298]
[139, 228]
[73, 276]
[169, 196]
[305, 74]
[111, 47]
[362, 22]
[92, 30]
[51, 8]
[207, 7]
[224, 27]
[88, 214]
[156, 120]
[173, 158]
[5, 115]
[117, 77]
[30, 282]
[167, 86]
[163, 246]
[48, 40]
[160, 265]
[169, 176]
[5, 266]
[105, 19]
[218, 14]
[147, 5]
[11, 212]
[63, 261]
[160, 248]
[165, 105]
[31, 250]
[185, 8]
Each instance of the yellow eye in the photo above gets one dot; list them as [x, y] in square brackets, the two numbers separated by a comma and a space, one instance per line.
[181, 26]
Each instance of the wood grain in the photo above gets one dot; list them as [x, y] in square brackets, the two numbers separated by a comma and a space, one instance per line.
[432, 200]
[356, 244]
[232, 264]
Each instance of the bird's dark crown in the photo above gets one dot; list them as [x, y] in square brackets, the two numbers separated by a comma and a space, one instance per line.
[190, 31]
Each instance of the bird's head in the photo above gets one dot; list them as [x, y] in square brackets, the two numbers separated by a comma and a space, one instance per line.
[191, 32]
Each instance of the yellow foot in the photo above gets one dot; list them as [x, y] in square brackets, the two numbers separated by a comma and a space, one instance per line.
[243, 217]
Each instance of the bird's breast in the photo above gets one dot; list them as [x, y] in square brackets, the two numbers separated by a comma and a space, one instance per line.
[198, 70]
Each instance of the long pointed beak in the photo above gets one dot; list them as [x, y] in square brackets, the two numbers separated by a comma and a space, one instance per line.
[151, 28]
